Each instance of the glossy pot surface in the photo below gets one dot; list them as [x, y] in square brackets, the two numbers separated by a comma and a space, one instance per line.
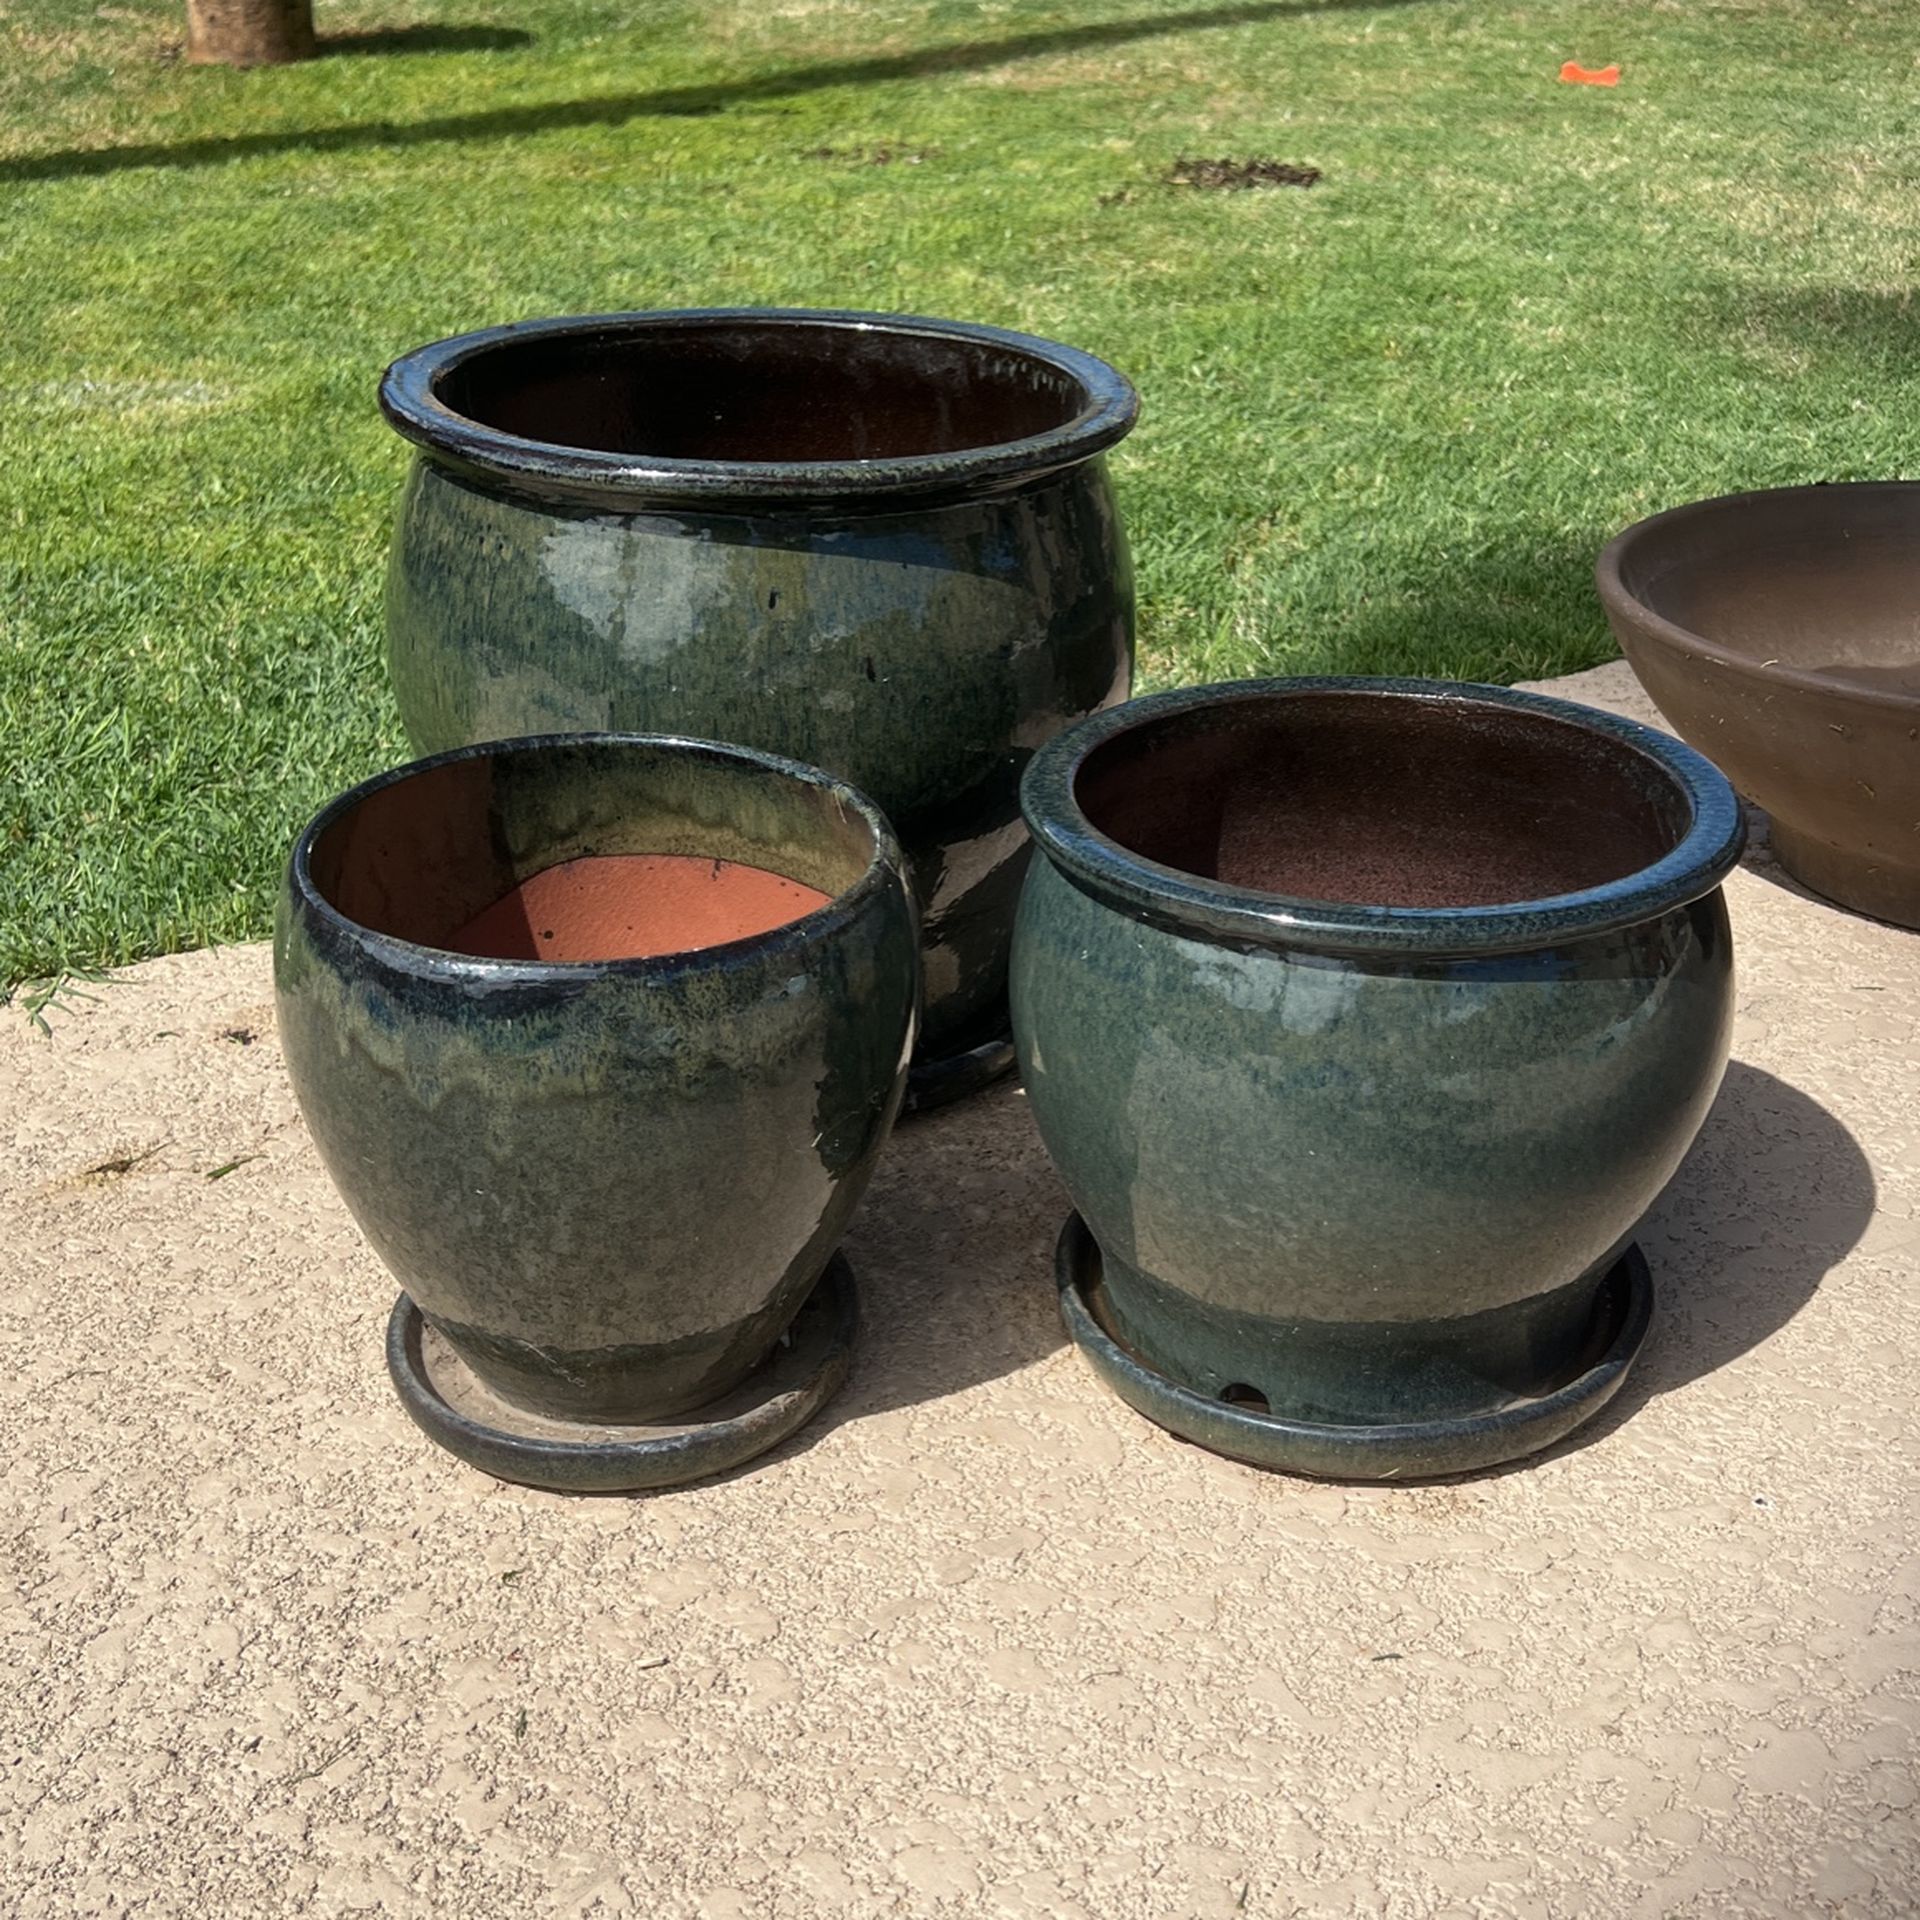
[1363, 1020]
[610, 1184]
[881, 545]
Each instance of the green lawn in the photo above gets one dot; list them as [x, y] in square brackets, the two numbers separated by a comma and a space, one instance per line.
[1387, 420]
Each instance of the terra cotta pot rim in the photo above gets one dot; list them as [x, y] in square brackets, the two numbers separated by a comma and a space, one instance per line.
[1621, 599]
[1211, 909]
[414, 956]
[409, 397]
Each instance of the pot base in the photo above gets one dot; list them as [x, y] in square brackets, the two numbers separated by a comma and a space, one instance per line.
[936, 1083]
[780, 1396]
[1468, 1443]
[1862, 882]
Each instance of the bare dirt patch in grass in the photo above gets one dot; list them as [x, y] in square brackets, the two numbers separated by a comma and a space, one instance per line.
[1239, 176]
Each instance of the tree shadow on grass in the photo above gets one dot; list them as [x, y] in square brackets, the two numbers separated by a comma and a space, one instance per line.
[1868, 325]
[1527, 611]
[424, 39]
[612, 110]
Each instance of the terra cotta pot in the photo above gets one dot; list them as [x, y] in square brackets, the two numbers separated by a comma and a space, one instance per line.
[1780, 633]
[608, 1186]
[882, 545]
[1363, 1020]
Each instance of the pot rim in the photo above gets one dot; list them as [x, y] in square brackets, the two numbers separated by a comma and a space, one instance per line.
[410, 400]
[1626, 606]
[1198, 907]
[414, 957]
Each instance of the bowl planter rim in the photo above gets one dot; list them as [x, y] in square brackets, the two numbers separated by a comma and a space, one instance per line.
[412, 957]
[410, 400]
[1212, 910]
[1621, 600]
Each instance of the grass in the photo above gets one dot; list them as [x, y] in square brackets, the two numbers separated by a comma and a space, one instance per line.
[1387, 420]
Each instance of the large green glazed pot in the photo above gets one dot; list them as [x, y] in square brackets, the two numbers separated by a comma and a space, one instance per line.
[886, 546]
[608, 1188]
[1363, 1020]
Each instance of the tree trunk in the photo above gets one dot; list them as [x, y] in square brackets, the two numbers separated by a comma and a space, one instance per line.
[249, 33]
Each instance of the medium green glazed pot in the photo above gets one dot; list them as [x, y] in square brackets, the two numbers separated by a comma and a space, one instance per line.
[882, 545]
[1363, 1021]
[609, 1187]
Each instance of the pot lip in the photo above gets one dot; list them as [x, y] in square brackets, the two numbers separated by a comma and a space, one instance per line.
[1642, 620]
[417, 959]
[1206, 909]
[409, 398]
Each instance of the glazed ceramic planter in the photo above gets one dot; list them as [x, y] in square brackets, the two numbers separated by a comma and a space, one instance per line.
[609, 1187]
[885, 546]
[1363, 1020]
[1780, 633]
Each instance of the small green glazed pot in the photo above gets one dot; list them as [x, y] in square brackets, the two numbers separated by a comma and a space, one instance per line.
[608, 1187]
[1363, 1020]
[886, 546]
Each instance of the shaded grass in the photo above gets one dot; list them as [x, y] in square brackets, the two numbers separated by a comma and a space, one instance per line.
[1387, 421]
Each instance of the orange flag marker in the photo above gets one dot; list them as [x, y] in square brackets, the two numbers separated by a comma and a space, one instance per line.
[1590, 76]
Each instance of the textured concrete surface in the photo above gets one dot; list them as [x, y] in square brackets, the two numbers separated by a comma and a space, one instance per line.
[982, 1642]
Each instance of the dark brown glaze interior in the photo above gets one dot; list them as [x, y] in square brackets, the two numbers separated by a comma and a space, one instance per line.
[415, 859]
[1823, 580]
[737, 391]
[1384, 800]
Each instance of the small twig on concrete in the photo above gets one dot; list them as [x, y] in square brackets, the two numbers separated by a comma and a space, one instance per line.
[118, 1164]
[314, 1772]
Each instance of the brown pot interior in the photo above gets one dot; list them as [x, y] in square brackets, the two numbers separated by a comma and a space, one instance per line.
[1824, 580]
[1385, 800]
[759, 392]
[575, 854]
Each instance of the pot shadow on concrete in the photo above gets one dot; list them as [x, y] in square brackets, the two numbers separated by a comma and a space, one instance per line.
[424, 39]
[953, 1251]
[612, 110]
[1775, 1194]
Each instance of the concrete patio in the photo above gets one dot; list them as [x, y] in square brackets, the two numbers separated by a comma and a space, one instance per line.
[981, 1642]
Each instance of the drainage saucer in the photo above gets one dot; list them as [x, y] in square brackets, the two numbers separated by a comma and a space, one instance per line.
[780, 1396]
[1467, 1443]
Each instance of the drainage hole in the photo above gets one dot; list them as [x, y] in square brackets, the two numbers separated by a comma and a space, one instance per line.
[1242, 1395]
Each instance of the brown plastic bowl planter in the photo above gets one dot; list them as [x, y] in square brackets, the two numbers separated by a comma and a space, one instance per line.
[1780, 633]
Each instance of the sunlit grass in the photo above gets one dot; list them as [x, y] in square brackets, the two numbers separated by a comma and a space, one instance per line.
[1387, 420]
